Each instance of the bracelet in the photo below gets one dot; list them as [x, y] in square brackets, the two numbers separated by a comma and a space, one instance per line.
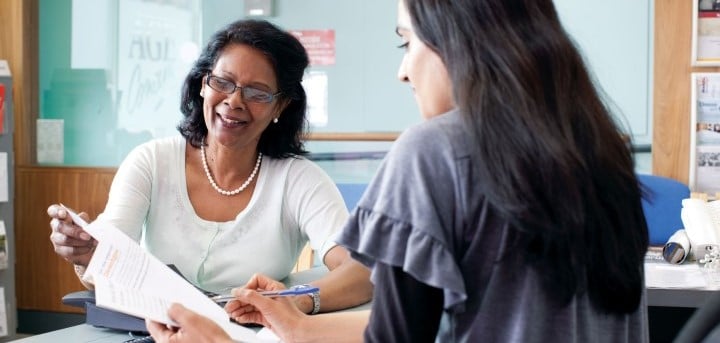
[315, 296]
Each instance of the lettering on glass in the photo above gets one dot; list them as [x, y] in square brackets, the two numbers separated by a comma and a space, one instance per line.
[153, 59]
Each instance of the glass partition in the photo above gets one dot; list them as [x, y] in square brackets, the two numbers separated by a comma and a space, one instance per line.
[111, 70]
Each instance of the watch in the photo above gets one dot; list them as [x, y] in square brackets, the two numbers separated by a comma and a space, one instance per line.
[315, 296]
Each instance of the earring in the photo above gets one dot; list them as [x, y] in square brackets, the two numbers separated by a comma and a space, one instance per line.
[275, 120]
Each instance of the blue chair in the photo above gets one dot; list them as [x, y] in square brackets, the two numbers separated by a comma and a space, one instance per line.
[351, 193]
[662, 204]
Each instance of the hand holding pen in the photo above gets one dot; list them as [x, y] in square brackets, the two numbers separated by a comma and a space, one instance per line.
[244, 312]
[292, 291]
[251, 307]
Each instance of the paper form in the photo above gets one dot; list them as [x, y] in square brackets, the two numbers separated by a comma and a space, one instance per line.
[129, 279]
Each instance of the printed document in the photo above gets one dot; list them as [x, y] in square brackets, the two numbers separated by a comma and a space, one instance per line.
[128, 279]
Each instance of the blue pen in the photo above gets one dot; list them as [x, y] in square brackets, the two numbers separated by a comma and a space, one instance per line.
[294, 290]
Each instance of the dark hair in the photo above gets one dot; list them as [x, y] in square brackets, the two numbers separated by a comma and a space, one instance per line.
[289, 59]
[553, 161]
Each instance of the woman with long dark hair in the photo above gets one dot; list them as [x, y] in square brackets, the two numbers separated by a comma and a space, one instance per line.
[511, 214]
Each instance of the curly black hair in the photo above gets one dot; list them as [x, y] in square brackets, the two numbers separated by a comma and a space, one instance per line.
[289, 59]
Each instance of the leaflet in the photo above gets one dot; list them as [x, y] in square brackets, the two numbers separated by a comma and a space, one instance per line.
[128, 279]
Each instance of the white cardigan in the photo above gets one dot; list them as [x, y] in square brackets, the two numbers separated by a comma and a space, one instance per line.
[294, 201]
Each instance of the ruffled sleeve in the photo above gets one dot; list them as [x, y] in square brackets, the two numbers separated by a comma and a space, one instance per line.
[408, 216]
[396, 243]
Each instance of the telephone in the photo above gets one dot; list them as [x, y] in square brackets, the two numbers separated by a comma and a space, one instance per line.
[701, 219]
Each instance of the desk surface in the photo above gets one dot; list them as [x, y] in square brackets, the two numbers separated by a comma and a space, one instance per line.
[80, 333]
[674, 278]
[90, 334]
[657, 297]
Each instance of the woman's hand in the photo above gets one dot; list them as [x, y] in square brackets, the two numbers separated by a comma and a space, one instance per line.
[243, 312]
[277, 314]
[194, 328]
[70, 241]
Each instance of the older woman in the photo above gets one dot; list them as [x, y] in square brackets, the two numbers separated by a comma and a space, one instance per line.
[232, 196]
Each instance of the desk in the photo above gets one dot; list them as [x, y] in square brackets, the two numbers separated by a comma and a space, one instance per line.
[90, 334]
[660, 273]
[79, 333]
[670, 308]
[691, 298]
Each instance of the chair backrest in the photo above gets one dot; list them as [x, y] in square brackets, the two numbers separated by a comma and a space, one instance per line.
[703, 324]
[662, 204]
[351, 193]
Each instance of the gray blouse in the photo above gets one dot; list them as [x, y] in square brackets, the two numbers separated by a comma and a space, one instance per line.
[425, 212]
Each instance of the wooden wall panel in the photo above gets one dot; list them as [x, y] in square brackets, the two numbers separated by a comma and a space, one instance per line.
[42, 278]
[671, 95]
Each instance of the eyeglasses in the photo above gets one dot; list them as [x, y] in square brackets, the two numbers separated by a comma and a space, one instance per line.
[248, 93]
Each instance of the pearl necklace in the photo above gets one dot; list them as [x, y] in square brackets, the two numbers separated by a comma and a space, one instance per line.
[237, 190]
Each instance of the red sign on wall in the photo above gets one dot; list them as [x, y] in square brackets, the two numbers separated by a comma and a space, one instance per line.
[320, 45]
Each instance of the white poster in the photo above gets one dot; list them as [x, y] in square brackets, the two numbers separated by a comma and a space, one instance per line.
[157, 43]
[707, 177]
[705, 134]
[316, 88]
[50, 141]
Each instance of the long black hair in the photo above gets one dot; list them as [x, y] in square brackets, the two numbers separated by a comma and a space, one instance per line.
[554, 162]
[287, 56]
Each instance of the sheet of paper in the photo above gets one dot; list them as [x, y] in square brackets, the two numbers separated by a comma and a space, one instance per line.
[129, 279]
[50, 141]
[4, 68]
[76, 218]
[131, 302]
[269, 336]
[665, 275]
[3, 313]
[3, 177]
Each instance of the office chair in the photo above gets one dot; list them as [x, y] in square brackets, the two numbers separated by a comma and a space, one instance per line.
[351, 193]
[662, 204]
[702, 325]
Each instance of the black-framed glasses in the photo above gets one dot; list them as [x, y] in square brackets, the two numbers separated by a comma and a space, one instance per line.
[248, 93]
